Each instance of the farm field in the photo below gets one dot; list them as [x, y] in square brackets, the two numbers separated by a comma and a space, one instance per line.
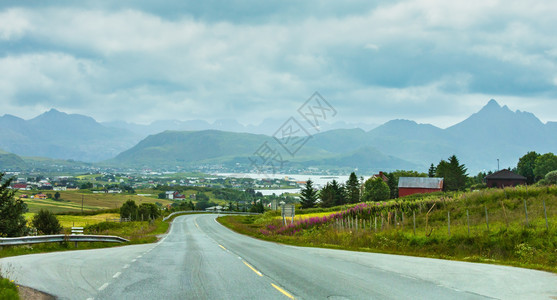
[67, 221]
[70, 201]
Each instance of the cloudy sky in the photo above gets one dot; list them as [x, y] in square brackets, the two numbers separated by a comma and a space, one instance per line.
[139, 61]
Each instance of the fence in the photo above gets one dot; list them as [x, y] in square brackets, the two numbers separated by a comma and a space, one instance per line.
[449, 218]
[120, 220]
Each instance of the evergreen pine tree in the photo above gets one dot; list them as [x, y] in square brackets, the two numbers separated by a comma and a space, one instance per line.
[432, 170]
[453, 174]
[352, 189]
[308, 195]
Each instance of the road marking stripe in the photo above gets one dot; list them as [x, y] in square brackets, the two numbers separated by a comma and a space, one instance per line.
[196, 225]
[222, 247]
[103, 287]
[134, 260]
[140, 256]
[253, 269]
[126, 266]
[117, 275]
[287, 294]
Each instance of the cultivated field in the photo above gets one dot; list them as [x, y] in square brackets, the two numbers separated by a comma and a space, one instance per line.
[71, 201]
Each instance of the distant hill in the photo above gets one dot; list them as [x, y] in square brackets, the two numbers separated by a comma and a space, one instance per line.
[267, 126]
[494, 132]
[59, 135]
[10, 161]
[194, 148]
[171, 148]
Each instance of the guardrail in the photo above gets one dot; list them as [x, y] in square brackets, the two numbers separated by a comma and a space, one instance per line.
[27, 240]
[210, 212]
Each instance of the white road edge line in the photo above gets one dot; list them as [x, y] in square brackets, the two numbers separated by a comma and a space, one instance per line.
[117, 275]
[103, 287]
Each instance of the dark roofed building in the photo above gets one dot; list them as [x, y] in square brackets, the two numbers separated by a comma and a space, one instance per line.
[419, 185]
[382, 176]
[504, 178]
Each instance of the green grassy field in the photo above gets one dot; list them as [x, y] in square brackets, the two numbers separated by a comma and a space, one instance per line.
[70, 201]
[389, 227]
[136, 232]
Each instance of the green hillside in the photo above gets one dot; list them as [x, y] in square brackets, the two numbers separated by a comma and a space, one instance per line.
[172, 148]
[191, 148]
[10, 161]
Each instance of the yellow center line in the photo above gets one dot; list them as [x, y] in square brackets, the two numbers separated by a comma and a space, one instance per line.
[196, 225]
[253, 269]
[287, 294]
[222, 247]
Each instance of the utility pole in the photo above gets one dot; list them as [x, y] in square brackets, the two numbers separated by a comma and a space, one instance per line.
[82, 204]
[497, 164]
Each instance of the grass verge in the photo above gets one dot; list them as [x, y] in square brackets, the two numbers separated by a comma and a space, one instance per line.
[515, 226]
[8, 289]
[136, 232]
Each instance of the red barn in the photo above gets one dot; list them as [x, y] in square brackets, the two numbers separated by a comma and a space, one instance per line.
[419, 185]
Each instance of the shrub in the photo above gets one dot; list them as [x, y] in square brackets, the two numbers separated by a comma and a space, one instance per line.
[148, 211]
[129, 210]
[46, 222]
[551, 177]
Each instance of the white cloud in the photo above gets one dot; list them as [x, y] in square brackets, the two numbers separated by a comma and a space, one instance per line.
[13, 24]
[141, 66]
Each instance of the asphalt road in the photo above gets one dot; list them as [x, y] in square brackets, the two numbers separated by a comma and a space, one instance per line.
[200, 259]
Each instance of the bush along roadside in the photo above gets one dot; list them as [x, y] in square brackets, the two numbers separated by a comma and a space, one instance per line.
[514, 226]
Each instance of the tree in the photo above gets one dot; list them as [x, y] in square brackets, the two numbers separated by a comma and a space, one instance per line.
[202, 205]
[453, 174]
[432, 170]
[258, 207]
[200, 196]
[545, 164]
[332, 194]
[12, 221]
[352, 189]
[57, 196]
[46, 222]
[392, 183]
[551, 177]
[375, 189]
[147, 211]
[525, 166]
[129, 210]
[308, 195]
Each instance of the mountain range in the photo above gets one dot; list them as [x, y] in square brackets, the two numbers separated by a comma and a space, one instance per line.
[58, 135]
[493, 133]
